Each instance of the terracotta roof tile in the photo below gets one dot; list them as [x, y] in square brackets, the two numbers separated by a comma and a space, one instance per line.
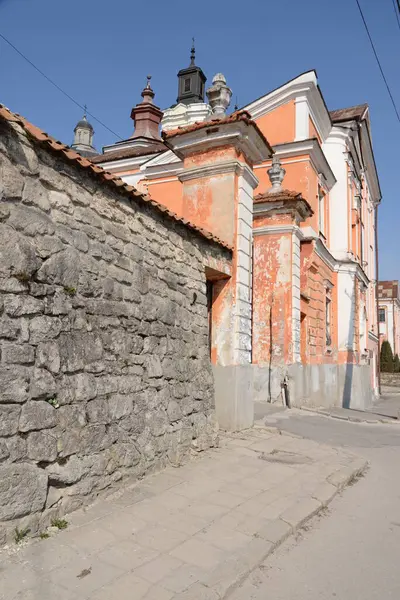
[282, 196]
[388, 289]
[121, 153]
[51, 144]
[242, 115]
[348, 114]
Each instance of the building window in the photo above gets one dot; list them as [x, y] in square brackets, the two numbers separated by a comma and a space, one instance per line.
[187, 85]
[382, 315]
[328, 320]
[321, 210]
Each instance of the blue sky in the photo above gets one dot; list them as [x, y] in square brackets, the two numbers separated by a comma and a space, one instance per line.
[100, 52]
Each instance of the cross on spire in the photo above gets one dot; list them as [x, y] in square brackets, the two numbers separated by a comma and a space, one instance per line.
[84, 111]
[192, 52]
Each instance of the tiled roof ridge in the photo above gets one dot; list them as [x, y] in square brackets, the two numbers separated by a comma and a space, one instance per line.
[121, 153]
[281, 195]
[67, 152]
[349, 112]
[240, 115]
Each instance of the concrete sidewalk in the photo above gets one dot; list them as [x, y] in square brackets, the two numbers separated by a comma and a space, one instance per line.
[191, 533]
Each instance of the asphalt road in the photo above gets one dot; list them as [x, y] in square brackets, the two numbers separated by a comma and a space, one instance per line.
[353, 551]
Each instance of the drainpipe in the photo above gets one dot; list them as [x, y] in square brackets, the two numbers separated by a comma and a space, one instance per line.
[377, 298]
[394, 329]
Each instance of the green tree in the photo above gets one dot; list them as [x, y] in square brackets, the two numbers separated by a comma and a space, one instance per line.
[387, 363]
[396, 364]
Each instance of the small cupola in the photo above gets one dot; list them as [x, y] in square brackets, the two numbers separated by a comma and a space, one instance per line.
[147, 116]
[191, 82]
[83, 137]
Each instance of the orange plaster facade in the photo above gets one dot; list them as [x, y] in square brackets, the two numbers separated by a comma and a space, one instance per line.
[302, 286]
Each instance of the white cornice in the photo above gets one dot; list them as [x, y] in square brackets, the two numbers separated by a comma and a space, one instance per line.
[162, 165]
[299, 212]
[369, 164]
[271, 229]
[322, 251]
[165, 158]
[230, 166]
[353, 268]
[304, 85]
[124, 164]
[246, 138]
[372, 336]
[313, 148]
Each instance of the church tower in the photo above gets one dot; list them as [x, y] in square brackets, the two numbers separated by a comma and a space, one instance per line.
[190, 107]
[83, 138]
[191, 82]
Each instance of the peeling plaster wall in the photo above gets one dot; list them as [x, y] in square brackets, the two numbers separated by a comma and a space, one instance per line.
[209, 202]
[315, 277]
[272, 299]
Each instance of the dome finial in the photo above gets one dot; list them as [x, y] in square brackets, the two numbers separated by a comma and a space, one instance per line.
[148, 93]
[85, 111]
[192, 52]
[276, 174]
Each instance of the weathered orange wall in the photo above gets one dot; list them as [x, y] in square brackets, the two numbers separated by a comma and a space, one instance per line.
[300, 177]
[314, 275]
[278, 126]
[168, 193]
[272, 297]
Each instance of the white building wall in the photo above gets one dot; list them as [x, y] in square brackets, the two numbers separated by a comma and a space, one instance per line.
[346, 309]
[335, 149]
[242, 309]
[387, 328]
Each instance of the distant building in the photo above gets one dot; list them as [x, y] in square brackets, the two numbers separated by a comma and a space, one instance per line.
[389, 313]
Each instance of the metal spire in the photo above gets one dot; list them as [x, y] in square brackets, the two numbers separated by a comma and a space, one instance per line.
[192, 53]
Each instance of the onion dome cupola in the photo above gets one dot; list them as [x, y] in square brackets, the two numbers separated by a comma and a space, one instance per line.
[191, 82]
[83, 137]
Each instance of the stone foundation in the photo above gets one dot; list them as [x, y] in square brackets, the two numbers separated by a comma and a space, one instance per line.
[346, 386]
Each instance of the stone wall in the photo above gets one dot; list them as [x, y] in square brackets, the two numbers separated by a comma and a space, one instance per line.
[105, 369]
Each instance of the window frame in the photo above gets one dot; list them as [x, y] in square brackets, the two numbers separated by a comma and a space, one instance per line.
[382, 310]
[328, 320]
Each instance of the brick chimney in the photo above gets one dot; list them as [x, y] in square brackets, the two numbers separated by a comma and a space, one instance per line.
[146, 116]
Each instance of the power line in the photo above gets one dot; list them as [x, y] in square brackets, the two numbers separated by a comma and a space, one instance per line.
[58, 87]
[396, 6]
[378, 61]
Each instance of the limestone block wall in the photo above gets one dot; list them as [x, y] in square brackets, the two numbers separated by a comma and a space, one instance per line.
[105, 369]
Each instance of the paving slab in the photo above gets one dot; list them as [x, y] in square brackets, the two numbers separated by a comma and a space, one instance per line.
[189, 533]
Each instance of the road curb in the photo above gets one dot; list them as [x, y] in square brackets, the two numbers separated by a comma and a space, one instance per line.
[351, 419]
[219, 584]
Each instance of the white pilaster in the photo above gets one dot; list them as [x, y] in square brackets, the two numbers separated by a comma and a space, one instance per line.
[346, 309]
[296, 297]
[302, 118]
[243, 304]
